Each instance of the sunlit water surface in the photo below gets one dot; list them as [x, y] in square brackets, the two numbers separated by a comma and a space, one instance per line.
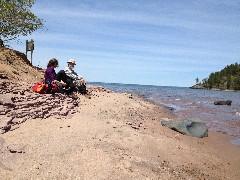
[192, 103]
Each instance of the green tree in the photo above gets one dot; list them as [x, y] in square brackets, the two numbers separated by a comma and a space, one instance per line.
[236, 83]
[197, 80]
[227, 78]
[16, 19]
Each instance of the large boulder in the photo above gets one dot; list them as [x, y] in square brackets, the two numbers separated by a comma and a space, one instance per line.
[190, 127]
[228, 102]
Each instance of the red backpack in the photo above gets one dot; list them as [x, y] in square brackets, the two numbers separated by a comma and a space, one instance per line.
[43, 88]
[39, 87]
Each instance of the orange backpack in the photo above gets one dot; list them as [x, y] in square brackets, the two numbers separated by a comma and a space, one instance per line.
[40, 87]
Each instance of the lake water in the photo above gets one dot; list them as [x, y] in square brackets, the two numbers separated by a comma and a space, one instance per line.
[192, 103]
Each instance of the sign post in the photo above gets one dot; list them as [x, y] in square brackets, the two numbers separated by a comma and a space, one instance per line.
[30, 47]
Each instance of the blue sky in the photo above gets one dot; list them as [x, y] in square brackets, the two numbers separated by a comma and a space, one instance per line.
[151, 42]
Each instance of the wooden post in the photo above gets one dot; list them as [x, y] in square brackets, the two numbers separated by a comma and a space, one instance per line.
[31, 57]
[30, 47]
[26, 47]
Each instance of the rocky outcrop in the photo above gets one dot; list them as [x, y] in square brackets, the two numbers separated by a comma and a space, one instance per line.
[197, 86]
[190, 127]
[18, 104]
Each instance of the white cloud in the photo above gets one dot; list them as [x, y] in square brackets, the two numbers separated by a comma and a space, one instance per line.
[148, 36]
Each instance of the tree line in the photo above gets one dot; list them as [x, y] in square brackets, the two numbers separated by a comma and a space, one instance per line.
[226, 79]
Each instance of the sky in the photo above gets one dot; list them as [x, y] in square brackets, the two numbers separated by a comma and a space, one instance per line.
[148, 42]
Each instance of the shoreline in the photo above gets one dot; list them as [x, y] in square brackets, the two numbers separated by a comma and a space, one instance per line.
[175, 116]
[114, 136]
[109, 136]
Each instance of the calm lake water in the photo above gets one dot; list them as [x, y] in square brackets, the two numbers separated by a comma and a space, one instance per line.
[192, 103]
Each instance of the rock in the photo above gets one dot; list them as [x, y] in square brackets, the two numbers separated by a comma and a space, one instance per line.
[10, 121]
[16, 148]
[134, 127]
[190, 127]
[64, 112]
[197, 86]
[228, 102]
[3, 76]
[6, 128]
[166, 119]
[130, 96]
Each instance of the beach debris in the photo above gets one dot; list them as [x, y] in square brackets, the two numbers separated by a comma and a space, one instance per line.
[228, 102]
[190, 127]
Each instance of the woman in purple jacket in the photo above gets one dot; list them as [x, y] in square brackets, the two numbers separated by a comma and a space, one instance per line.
[50, 73]
[61, 79]
[50, 76]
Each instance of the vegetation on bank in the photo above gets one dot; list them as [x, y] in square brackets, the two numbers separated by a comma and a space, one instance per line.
[16, 20]
[226, 79]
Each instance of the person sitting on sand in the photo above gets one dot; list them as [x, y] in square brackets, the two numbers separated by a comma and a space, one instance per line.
[78, 81]
[50, 73]
[50, 76]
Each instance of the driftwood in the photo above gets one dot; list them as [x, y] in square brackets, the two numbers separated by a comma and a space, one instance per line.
[228, 102]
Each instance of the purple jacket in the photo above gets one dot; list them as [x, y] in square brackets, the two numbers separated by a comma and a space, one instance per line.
[49, 75]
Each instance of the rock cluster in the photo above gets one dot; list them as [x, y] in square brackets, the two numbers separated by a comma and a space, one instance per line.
[18, 103]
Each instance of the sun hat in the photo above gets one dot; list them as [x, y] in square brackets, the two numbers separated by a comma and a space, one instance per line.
[71, 61]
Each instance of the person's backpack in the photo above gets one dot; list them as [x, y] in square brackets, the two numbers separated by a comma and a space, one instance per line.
[54, 88]
[43, 88]
[82, 89]
[39, 87]
[51, 88]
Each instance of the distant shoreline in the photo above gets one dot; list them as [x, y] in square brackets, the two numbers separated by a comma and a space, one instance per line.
[214, 89]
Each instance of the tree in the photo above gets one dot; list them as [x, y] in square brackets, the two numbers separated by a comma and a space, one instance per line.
[16, 19]
[197, 80]
[205, 82]
[227, 78]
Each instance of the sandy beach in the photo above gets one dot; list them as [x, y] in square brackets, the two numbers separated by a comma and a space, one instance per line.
[112, 136]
